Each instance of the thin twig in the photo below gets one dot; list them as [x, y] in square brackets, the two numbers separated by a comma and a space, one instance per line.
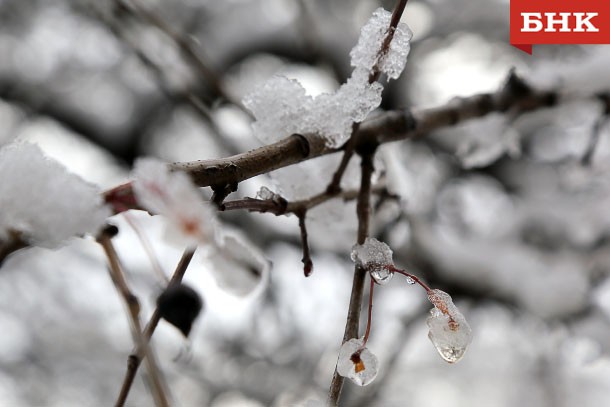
[307, 262]
[369, 319]
[188, 96]
[133, 306]
[363, 210]
[187, 46]
[280, 206]
[385, 47]
[134, 360]
[413, 277]
[147, 245]
[350, 147]
[587, 157]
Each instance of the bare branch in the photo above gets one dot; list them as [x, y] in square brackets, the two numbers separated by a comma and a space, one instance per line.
[387, 127]
[363, 210]
[187, 46]
[596, 130]
[133, 306]
[391, 126]
[307, 262]
[134, 360]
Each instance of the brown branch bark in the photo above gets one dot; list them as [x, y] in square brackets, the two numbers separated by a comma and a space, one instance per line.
[387, 127]
[363, 210]
[135, 359]
[391, 126]
[133, 307]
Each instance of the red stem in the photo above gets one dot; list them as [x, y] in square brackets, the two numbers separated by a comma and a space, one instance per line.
[370, 316]
[393, 268]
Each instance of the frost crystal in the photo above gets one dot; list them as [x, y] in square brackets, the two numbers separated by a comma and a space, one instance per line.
[375, 257]
[42, 201]
[265, 193]
[449, 331]
[366, 53]
[173, 195]
[357, 363]
[281, 106]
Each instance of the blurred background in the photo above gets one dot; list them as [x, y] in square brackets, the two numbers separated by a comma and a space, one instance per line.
[509, 214]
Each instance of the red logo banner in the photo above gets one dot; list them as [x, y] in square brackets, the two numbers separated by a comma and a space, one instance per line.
[559, 22]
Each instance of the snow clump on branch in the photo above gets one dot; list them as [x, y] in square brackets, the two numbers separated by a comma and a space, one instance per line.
[41, 201]
[282, 107]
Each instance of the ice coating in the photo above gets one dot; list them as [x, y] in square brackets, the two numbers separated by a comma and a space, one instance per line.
[375, 257]
[282, 107]
[42, 201]
[265, 193]
[366, 53]
[357, 363]
[278, 105]
[449, 331]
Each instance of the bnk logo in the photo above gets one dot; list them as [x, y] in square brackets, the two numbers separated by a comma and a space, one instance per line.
[567, 22]
[559, 22]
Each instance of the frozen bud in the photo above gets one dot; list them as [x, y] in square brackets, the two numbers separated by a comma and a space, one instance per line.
[357, 363]
[375, 257]
[449, 331]
[173, 195]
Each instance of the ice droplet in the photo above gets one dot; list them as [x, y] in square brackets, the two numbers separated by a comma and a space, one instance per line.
[375, 257]
[449, 332]
[410, 280]
[357, 363]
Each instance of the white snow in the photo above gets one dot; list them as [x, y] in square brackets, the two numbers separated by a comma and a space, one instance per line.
[282, 107]
[366, 53]
[41, 200]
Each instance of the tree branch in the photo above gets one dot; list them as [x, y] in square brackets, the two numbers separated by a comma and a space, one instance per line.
[515, 95]
[134, 360]
[133, 307]
[387, 127]
[363, 210]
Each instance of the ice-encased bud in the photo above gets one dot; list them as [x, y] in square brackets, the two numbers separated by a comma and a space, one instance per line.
[375, 257]
[449, 331]
[357, 363]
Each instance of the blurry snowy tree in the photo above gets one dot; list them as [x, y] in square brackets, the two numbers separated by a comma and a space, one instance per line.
[488, 183]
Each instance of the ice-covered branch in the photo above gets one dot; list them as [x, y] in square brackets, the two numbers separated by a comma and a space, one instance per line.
[515, 95]
[363, 209]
